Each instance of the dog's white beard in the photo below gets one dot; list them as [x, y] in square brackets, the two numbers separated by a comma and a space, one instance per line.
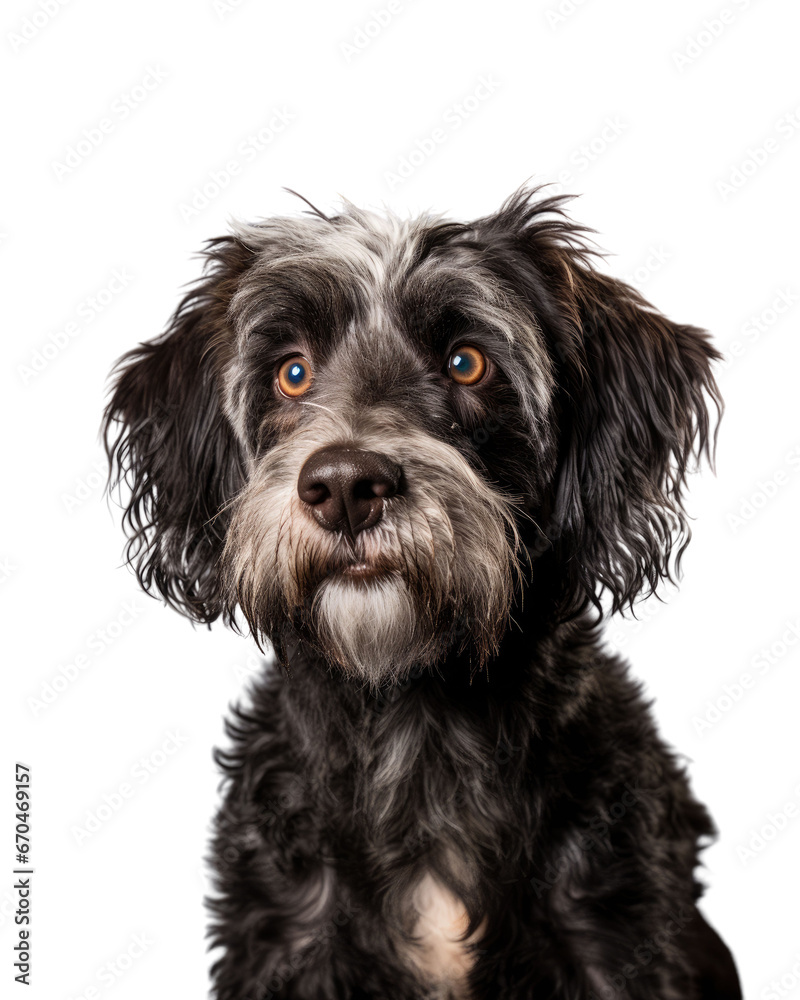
[372, 629]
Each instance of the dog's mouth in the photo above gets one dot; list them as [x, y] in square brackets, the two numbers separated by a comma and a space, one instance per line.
[357, 562]
[362, 571]
[359, 568]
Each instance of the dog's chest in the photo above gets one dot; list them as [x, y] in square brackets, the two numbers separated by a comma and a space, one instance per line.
[422, 809]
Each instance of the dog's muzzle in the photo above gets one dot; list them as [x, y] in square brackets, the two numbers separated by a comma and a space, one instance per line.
[347, 488]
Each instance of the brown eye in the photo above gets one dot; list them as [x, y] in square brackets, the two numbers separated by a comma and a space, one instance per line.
[466, 365]
[295, 376]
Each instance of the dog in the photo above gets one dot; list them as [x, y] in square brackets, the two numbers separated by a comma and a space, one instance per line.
[420, 460]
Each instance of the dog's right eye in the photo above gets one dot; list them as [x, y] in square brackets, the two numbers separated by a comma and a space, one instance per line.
[295, 376]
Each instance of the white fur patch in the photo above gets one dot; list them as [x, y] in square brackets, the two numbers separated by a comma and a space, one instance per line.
[440, 953]
[366, 625]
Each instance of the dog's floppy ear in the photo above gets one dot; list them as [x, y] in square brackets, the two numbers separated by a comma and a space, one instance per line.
[172, 449]
[636, 393]
[632, 404]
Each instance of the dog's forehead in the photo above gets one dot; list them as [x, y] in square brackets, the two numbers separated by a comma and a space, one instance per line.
[379, 301]
[364, 270]
[364, 244]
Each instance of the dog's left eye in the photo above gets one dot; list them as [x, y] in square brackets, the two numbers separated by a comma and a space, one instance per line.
[466, 365]
[295, 376]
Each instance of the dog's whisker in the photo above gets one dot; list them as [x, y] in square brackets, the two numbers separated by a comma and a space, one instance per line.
[319, 406]
[226, 506]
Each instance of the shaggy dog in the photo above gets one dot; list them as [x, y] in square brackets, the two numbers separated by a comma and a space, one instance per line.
[419, 458]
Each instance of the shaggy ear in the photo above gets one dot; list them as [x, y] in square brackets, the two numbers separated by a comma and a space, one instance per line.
[171, 446]
[637, 388]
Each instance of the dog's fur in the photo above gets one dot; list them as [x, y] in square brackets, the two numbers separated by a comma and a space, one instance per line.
[444, 786]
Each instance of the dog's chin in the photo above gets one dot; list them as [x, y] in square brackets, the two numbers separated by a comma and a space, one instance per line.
[371, 627]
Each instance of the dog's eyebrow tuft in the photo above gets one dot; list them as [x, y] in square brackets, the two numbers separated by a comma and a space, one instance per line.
[433, 238]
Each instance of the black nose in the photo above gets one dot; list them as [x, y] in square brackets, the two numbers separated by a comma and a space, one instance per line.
[346, 488]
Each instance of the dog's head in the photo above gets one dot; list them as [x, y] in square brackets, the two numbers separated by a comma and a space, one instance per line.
[370, 433]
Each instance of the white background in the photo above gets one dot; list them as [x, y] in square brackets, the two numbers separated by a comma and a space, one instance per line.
[690, 178]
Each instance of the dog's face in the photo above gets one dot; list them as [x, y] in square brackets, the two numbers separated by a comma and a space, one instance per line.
[369, 433]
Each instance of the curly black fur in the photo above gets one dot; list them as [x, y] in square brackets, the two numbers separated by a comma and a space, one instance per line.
[511, 763]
